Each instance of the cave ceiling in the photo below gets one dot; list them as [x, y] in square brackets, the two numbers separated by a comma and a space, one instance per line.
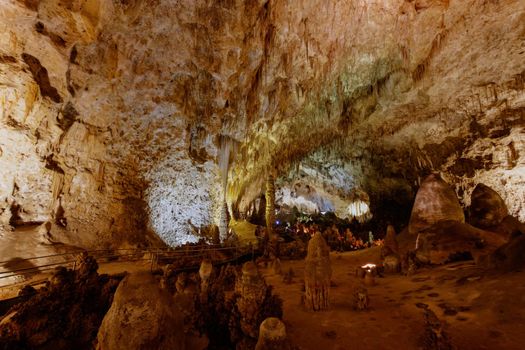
[129, 116]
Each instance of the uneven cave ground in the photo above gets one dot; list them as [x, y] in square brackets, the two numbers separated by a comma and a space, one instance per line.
[471, 300]
[263, 174]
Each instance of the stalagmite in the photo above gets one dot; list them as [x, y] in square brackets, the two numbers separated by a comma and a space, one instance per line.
[317, 273]
[361, 299]
[252, 290]
[435, 201]
[272, 335]
[205, 272]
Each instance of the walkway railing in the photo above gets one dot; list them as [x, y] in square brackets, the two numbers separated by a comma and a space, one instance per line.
[20, 270]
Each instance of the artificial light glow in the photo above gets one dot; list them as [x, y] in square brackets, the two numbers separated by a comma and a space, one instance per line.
[369, 267]
[360, 211]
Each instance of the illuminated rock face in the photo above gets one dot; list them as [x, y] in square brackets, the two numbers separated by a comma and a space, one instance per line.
[112, 112]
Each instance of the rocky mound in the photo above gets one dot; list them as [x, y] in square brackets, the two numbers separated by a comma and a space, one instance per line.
[66, 314]
[509, 257]
[487, 208]
[435, 201]
[450, 240]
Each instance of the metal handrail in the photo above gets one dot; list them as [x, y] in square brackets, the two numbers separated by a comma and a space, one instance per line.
[156, 254]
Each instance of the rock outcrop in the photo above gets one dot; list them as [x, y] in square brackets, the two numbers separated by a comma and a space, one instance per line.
[272, 335]
[508, 257]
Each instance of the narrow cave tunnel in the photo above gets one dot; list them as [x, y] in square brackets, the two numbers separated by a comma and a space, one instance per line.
[262, 174]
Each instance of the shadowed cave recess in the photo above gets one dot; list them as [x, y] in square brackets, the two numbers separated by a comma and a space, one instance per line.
[262, 174]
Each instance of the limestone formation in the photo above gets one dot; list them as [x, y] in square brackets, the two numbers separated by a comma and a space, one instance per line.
[449, 239]
[487, 208]
[44, 231]
[251, 288]
[361, 299]
[270, 205]
[272, 335]
[508, 257]
[369, 279]
[392, 264]
[65, 314]
[127, 141]
[435, 337]
[435, 201]
[205, 272]
[390, 245]
[144, 316]
[317, 273]
[276, 266]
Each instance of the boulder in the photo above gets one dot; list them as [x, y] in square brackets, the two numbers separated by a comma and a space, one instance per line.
[144, 316]
[392, 263]
[487, 208]
[435, 201]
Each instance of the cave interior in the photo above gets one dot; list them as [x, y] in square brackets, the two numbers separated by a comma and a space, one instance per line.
[262, 174]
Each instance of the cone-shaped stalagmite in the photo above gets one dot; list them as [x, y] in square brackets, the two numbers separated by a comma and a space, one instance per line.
[317, 273]
[435, 201]
[390, 246]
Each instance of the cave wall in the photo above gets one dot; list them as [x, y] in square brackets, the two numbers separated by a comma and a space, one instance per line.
[113, 112]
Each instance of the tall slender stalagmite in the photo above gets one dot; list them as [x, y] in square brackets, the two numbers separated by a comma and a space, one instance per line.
[270, 204]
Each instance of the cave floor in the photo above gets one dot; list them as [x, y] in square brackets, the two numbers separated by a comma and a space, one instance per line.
[482, 311]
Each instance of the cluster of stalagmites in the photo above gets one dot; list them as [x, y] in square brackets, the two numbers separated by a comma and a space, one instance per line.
[227, 307]
[79, 309]
[65, 314]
